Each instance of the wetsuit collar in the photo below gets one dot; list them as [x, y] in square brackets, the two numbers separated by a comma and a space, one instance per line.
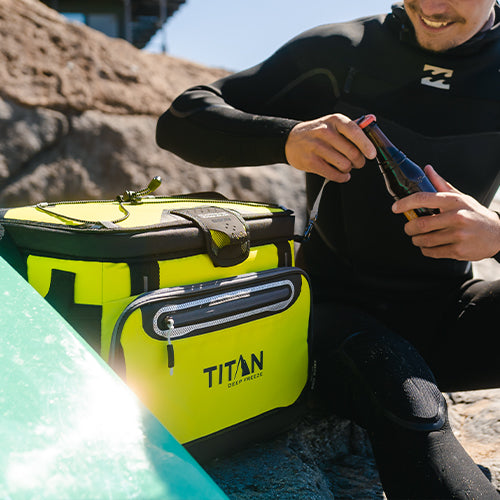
[399, 22]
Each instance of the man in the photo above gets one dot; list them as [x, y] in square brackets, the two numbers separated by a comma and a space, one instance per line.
[398, 315]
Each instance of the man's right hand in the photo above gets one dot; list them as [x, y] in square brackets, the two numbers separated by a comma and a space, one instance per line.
[330, 146]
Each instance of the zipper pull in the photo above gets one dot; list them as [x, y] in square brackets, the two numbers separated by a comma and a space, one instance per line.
[135, 197]
[170, 347]
[152, 186]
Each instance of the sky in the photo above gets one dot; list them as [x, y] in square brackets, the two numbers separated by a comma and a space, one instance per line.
[236, 34]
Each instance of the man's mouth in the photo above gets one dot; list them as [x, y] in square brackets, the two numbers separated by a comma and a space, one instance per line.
[435, 24]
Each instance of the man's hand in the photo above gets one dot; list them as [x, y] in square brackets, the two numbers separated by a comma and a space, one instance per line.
[463, 230]
[330, 146]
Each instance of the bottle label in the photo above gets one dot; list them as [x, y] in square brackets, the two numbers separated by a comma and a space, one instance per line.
[411, 214]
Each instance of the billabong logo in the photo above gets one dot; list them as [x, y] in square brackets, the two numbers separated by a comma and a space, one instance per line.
[236, 371]
[438, 78]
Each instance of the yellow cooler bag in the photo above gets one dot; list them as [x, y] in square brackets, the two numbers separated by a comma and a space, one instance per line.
[199, 282]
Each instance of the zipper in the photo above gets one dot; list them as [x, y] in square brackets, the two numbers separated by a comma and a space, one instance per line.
[229, 297]
[133, 198]
[99, 226]
[213, 311]
[137, 197]
[156, 199]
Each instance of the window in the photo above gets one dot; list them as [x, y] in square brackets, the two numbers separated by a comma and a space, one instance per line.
[106, 23]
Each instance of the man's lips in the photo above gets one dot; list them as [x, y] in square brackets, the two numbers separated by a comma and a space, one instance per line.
[435, 24]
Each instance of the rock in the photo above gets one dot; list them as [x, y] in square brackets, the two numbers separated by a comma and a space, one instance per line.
[322, 455]
[78, 113]
[50, 155]
[475, 419]
[46, 61]
[78, 118]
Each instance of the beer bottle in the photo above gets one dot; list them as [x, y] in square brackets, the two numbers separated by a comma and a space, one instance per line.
[402, 176]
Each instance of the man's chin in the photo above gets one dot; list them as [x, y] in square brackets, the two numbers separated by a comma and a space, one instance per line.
[436, 45]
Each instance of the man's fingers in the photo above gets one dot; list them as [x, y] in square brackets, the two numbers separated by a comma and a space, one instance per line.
[421, 225]
[328, 171]
[443, 201]
[446, 198]
[339, 152]
[442, 252]
[353, 132]
[330, 146]
[417, 200]
[437, 181]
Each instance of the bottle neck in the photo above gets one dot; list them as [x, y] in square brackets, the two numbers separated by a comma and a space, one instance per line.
[388, 155]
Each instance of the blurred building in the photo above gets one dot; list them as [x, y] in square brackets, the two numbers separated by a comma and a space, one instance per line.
[134, 20]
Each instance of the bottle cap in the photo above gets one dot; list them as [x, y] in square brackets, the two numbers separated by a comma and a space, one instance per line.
[365, 120]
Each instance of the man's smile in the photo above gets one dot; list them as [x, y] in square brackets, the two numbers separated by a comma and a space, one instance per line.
[435, 24]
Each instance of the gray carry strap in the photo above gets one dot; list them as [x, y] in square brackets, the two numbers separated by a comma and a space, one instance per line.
[225, 231]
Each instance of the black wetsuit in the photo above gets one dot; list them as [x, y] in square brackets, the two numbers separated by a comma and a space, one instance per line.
[377, 299]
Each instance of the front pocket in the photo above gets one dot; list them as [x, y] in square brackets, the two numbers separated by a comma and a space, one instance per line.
[208, 356]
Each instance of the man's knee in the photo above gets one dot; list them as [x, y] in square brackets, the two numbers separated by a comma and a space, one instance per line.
[395, 382]
[480, 297]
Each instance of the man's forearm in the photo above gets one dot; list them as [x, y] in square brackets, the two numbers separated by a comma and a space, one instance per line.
[203, 129]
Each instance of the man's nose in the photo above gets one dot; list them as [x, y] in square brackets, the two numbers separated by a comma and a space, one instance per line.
[434, 7]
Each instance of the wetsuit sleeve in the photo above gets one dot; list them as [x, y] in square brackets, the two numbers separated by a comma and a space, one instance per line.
[243, 119]
[202, 127]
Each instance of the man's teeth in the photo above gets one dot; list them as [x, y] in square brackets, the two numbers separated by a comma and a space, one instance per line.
[434, 24]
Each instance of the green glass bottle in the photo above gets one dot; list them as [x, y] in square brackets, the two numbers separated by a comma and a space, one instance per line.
[402, 176]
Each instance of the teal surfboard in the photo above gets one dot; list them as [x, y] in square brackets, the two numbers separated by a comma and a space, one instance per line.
[69, 427]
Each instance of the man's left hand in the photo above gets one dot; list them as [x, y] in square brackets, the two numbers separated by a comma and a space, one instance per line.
[463, 230]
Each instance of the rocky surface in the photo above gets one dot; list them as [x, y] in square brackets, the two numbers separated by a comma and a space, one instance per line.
[78, 113]
[325, 457]
[77, 119]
